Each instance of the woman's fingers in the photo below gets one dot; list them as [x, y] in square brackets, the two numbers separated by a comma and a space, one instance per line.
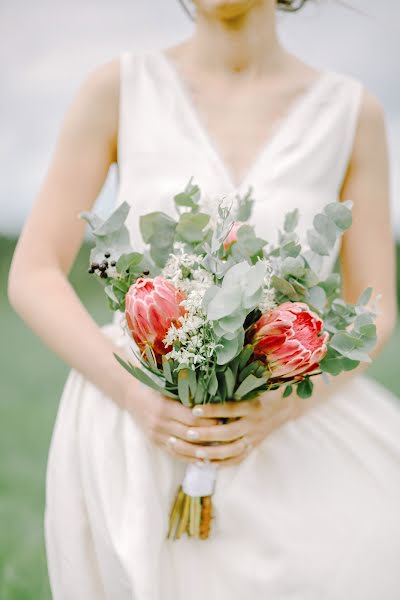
[176, 411]
[181, 448]
[216, 433]
[227, 410]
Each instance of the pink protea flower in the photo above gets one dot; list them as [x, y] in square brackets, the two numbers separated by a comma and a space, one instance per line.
[231, 238]
[151, 306]
[290, 339]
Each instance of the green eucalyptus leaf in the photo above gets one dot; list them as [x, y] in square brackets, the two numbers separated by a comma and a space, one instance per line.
[167, 369]
[244, 207]
[316, 296]
[305, 388]
[331, 285]
[235, 275]
[291, 221]
[224, 303]
[287, 391]
[365, 297]
[251, 368]
[200, 392]
[233, 322]
[248, 385]
[191, 227]
[293, 266]
[229, 382]
[126, 261]
[340, 214]
[245, 356]
[326, 228]
[150, 357]
[144, 378]
[112, 224]
[213, 384]
[291, 248]
[192, 382]
[183, 387]
[229, 349]
[155, 223]
[284, 287]
[359, 355]
[315, 262]
[317, 243]
[343, 342]
[111, 294]
[248, 242]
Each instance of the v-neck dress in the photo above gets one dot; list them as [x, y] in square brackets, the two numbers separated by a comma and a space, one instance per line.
[313, 513]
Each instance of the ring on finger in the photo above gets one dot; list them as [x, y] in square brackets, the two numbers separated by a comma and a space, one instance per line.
[201, 454]
[248, 446]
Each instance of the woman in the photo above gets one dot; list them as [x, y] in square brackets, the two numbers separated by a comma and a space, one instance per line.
[307, 506]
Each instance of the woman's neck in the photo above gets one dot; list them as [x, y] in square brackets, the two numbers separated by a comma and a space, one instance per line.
[245, 44]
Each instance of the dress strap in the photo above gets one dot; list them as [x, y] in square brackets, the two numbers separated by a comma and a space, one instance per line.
[352, 95]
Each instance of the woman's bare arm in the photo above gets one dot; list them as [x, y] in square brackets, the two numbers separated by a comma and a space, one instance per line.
[368, 248]
[38, 287]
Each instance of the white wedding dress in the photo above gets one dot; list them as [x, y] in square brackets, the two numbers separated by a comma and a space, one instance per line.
[311, 514]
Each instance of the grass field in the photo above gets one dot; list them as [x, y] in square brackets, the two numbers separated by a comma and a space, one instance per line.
[31, 380]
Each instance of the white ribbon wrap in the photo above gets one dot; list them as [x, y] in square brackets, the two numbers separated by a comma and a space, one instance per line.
[199, 479]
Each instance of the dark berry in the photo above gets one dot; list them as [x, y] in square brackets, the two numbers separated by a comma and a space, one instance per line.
[91, 270]
[105, 263]
[94, 265]
[113, 263]
[103, 275]
[126, 270]
[102, 268]
[107, 255]
[145, 273]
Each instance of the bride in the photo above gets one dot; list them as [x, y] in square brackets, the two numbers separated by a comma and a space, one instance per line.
[308, 508]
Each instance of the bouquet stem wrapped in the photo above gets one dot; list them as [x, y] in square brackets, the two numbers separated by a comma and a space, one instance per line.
[217, 314]
[191, 511]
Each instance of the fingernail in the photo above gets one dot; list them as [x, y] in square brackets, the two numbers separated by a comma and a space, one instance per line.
[191, 434]
[197, 411]
[201, 453]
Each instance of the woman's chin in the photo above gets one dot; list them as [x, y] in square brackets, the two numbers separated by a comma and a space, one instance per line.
[226, 9]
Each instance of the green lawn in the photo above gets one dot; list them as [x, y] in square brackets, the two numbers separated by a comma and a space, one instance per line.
[30, 385]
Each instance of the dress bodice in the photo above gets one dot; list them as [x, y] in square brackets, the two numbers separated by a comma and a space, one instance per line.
[162, 144]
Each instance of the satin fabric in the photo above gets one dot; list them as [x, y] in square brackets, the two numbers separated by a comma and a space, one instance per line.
[311, 514]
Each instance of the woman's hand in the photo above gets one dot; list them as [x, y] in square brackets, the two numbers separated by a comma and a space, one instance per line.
[193, 435]
[250, 423]
[165, 422]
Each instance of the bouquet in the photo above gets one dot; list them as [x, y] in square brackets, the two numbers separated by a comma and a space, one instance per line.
[217, 313]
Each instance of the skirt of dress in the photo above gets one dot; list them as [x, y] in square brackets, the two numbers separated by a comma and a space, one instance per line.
[311, 514]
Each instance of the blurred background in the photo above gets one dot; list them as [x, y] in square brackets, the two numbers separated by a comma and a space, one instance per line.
[47, 48]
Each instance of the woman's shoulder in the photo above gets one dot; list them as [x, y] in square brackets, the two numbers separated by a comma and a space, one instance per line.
[370, 105]
[95, 105]
[102, 81]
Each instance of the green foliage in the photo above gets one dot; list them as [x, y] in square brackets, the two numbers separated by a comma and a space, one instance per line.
[24, 442]
[231, 304]
[158, 230]
[305, 388]
[250, 384]
[191, 227]
[244, 207]
[189, 198]
[110, 234]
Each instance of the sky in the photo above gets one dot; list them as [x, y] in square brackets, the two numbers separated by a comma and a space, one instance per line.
[48, 47]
